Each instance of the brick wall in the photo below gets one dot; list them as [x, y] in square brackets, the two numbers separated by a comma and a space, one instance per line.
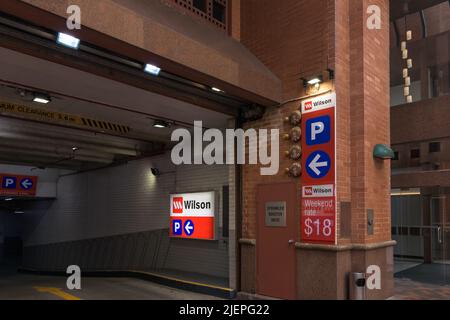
[293, 39]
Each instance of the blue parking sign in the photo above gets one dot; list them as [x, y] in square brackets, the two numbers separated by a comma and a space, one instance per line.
[9, 182]
[318, 130]
[177, 227]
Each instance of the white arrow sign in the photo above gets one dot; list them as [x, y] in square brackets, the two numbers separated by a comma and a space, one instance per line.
[26, 184]
[188, 227]
[315, 165]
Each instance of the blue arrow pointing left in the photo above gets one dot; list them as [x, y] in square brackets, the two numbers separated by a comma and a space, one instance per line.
[26, 184]
[189, 227]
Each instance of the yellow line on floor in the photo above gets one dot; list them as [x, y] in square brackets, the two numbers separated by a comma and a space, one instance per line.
[57, 292]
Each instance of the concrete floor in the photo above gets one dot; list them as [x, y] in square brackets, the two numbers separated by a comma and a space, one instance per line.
[16, 286]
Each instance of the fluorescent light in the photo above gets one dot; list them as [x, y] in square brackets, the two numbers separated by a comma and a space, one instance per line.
[216, 89]
[160, 124]
[68, 40]
[154, 70]
[314, 81]
[41, 98]
[9, 199]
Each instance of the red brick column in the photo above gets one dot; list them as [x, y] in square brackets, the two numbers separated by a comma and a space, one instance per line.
[292, 46]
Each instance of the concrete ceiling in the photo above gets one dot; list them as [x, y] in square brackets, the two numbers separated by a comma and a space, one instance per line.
[79, 93]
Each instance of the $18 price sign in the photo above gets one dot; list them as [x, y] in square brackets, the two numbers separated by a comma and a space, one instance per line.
[320, 229]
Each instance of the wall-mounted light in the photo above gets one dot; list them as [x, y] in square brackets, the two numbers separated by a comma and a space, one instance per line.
[409, 63]
[41, 98]
[68, 40]
[409, 35]
[152, 69]
[383, 152]
[160, 124]
[407, 81]
[405, 54]
[313, 81]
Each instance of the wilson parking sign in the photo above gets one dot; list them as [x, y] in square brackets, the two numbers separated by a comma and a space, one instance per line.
[318, 222]
[192, 215]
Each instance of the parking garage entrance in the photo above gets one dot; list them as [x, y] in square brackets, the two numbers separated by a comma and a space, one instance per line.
[97, 154]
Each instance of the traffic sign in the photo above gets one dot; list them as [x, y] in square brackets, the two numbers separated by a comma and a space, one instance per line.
[189, 227]
[318, 164]
[18, 185]
[26, 183]
[177, 229]
[318, 221]
[192, 215]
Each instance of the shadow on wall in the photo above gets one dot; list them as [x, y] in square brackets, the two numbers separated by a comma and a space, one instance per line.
[135, 251]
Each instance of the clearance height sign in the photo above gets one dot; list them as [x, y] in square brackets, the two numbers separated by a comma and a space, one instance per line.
[192, 215]
[318, 220]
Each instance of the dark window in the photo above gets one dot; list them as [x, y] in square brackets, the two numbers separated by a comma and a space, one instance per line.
[219, 12]
[435, 147]
[415, 153]
[394, 231]
[414, 231]
[396, 156]
[200, 5]
[225, 211]
[403, 231]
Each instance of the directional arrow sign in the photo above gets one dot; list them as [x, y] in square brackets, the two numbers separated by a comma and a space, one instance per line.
[318, 205]
[18, 185]
[318, 164]
[26, 184]
[189, 227]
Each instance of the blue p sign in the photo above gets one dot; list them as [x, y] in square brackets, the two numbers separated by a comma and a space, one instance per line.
[318, 131]
[9, 182]
[177, 229]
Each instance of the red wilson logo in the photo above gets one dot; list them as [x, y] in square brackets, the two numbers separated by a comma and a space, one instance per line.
[308, 191]
[308, 105]
[177, 205]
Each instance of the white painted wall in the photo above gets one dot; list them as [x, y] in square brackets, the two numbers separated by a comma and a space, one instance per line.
[129, 199]
[47, 179]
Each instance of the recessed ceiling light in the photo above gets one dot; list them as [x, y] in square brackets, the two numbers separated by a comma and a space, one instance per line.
[161, 124]
[41, 98]
[216, 89]
[68, 40]
[152, 69]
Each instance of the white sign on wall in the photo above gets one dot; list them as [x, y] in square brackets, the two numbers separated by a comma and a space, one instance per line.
[192, 215]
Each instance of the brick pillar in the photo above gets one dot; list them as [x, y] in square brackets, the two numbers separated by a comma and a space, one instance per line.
[364, 90]
[363, 184]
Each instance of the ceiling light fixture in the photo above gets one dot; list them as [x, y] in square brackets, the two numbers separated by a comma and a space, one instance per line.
[41, 98]
[152, 69]
[160, 124]
[68, 40]
[215, 89]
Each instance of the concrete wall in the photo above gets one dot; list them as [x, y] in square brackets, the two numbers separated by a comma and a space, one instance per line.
[126, 202]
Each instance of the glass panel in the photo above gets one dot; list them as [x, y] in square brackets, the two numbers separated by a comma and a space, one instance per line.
[420, 225]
